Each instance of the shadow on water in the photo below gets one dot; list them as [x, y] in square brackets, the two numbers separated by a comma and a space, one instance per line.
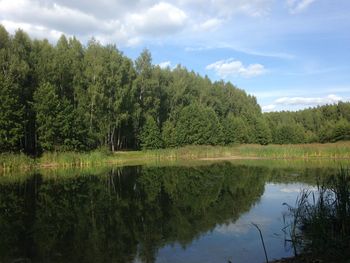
[126, 214]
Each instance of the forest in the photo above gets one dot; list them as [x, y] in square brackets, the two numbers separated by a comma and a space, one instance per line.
[75, 97]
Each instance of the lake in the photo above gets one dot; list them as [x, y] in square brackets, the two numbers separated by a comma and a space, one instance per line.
[178, 213]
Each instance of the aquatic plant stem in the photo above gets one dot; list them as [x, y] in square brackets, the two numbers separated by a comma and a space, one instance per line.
[262, 241]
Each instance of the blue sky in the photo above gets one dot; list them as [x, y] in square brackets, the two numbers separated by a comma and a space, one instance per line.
[290, 54]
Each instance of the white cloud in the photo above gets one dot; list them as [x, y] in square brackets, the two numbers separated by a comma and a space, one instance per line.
[228, 8]
[39, 32]
[339, 89]
[50, 20]
[209, 25]
[133, 22]
[297, 103]
[52, 16]
[248, 51]
[141, 18]
[269, 107]
[164, 64]
[231, 67]
[103, 9]
[253, 8]
[160, 19]
[297, 6]
[308, 100]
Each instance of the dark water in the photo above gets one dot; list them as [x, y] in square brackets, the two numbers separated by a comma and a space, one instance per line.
[149, 214]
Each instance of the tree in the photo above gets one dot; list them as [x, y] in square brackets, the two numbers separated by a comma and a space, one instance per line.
[292, 133]
[326, 133]
[341, 130]
[47, 107]
[235, 130]
[198, 125]
[168, 134]
[150, 136]
[344, 110]
[12, 118]
[262, 132]
[20, 72]
[147, 86]
[96, 107]
[73, 97]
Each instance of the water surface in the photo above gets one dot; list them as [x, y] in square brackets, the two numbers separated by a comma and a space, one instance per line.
[150, 214]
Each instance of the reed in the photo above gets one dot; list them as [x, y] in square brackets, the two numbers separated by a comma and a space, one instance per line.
[10, 161]
[73, 159]
[328, 151]
[319, 224]
[304, 151]
[339, 150]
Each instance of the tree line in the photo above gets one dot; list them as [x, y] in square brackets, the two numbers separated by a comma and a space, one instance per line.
[328, 123]
[69, 96]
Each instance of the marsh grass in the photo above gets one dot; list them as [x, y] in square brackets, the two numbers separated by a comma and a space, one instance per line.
[305, 151]
[9, 161]
[70, 159]
[340, 150]
[319, 224]
[102, 156]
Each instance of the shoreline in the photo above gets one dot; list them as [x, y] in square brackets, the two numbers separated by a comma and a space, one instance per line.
[55, 160]
[271, 158]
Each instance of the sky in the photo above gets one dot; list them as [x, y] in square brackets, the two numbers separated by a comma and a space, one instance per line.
[290, 54]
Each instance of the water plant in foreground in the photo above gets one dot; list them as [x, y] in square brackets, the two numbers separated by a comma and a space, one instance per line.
[319, 224]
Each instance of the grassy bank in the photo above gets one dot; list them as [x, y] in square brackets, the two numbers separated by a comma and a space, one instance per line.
[305, 151]
[340, 150]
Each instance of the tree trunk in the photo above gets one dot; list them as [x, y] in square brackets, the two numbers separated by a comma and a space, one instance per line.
[118, 142]
[91, 109]
[112, 139]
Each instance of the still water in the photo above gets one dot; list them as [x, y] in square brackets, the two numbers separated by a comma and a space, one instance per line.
[150, 214]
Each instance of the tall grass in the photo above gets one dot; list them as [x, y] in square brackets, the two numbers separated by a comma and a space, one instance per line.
[9, 161]
[70, 159]
[305, 151]
[196, 152]
[340, 150]
[319, 224]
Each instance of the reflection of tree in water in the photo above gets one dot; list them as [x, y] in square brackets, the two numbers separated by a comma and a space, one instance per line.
[127, 213]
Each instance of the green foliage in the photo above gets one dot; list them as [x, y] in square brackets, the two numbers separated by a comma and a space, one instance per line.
[47, 107]
[342, 130]
[329, 123]
[326, 132]
[335, 131]
[12, 110]
[198, 125]
[292, 133]
[150, 135]
[11, 117]
[69, 97]
[235, 130]
[168, 134]
[262, 131]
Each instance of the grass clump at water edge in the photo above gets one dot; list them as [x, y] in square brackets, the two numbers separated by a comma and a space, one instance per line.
[305, 151]
[319, 224]
[21, 161]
